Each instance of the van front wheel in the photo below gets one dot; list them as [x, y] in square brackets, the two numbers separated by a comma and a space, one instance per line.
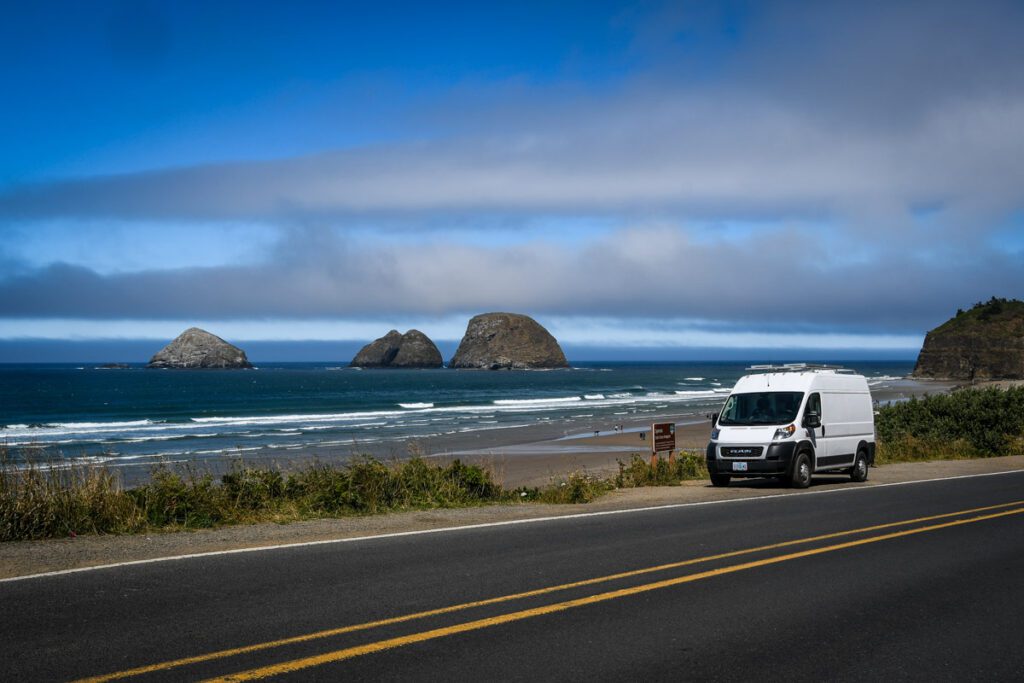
[720, 479]
[860, 467]
[800, 477]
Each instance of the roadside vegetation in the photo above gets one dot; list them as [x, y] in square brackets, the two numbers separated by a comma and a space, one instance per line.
[48, 498]
[51, 498]
[687, 466]
[966, 423]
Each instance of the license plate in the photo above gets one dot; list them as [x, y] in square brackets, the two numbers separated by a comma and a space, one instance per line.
[739, 467]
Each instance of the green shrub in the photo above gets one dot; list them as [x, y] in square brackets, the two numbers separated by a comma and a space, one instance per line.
[192, 501]
[964, 423]
[576, 488]
[248, 488]
[367, 485]
[639, 471]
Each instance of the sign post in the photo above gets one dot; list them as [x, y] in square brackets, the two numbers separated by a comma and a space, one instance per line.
[663, 438]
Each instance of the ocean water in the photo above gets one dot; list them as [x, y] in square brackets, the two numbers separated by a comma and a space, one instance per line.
[137, 415]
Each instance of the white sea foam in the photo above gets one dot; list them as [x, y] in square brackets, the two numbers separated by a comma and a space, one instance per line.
[530, 402]
[284, 419]
[694, 379]
[105, 425]
[413, 406]
[79, 428]
[145, 439]
[593, 397]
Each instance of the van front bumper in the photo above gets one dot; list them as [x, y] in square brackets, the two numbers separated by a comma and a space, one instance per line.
[776, 461]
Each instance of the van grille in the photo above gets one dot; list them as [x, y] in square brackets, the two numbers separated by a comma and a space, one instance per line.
[741, 451]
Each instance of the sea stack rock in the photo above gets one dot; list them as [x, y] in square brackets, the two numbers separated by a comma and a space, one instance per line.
[986, 342]
[501, 341]
[410, 350]
[196, 348]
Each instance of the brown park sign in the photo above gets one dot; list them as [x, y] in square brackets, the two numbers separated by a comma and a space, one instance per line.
[664, 436]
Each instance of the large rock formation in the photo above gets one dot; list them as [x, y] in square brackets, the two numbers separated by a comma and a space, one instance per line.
[986, 342]
[196, 348]
[410, 350]
[499, 341]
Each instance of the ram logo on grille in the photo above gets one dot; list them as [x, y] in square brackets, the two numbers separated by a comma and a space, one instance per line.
[747, 452]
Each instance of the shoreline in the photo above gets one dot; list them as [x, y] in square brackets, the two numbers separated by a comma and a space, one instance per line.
[519, 455]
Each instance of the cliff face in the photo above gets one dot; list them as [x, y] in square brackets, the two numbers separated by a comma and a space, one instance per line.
[497, 341]
[196, 348]
[394, 350]
[986, 342]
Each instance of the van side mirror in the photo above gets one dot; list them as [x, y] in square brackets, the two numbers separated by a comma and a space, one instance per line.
[713, 417]
[812, 420]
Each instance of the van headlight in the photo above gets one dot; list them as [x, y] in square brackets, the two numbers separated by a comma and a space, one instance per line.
[714, 434]
[784, 432]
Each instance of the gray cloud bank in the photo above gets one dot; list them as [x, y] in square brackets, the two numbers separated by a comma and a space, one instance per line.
[772, 282]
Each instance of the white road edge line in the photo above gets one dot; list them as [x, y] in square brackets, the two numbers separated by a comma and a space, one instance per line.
[467, 527]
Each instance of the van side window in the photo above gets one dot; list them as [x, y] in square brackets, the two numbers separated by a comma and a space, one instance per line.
[814, 404]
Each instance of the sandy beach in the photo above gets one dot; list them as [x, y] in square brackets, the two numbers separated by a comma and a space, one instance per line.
[540, 462]
[538, 456]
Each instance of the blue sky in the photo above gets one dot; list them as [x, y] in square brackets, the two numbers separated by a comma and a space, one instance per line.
[672, 178]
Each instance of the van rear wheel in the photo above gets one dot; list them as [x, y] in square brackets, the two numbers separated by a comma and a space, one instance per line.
[720, 479]
[859, 472]
[800, 477]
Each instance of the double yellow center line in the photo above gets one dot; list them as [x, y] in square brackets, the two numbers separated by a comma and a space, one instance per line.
[349, 653]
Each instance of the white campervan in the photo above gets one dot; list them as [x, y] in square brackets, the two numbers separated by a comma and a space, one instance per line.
[791, 421]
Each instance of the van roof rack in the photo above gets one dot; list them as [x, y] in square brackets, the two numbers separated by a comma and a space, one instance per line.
[798, 367]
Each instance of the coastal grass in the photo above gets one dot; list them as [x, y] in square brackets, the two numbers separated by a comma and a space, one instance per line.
[687, 466]
[575, 488]
[965, 423]
[580, 487]
[52, 499]
[175, 499]
[38, 501]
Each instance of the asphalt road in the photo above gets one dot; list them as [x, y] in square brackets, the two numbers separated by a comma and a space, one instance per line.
[856, 585]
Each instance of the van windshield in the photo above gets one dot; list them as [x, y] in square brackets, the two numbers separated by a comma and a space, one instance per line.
[763, 408]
